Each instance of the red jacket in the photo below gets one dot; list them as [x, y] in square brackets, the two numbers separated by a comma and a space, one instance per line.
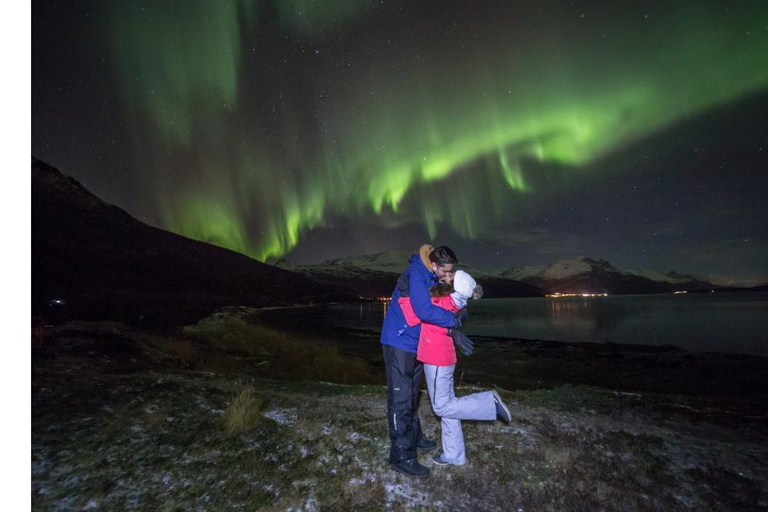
[435, 346]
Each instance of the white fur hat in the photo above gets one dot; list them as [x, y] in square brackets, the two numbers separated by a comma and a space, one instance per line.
[464, 283]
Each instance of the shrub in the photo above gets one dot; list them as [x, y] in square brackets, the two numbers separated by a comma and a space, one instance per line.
[244, 411]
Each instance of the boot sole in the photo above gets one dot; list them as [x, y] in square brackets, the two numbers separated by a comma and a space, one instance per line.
[504, 407]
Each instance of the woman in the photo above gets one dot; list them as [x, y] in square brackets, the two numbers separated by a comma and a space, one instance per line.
[436, 350]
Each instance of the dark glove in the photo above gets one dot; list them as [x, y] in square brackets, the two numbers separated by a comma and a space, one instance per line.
[461, 318]
[463, 343]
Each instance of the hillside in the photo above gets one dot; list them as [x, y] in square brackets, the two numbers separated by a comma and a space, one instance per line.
[105, 264]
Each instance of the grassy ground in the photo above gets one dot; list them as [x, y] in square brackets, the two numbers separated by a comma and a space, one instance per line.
[126, 420]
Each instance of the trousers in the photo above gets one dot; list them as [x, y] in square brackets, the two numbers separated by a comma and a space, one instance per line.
[404, 374]
[451, 410]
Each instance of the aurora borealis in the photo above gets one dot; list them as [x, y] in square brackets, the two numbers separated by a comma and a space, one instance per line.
[310, 130]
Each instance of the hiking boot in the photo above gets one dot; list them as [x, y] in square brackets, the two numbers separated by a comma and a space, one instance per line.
[439, 460]
[426, 444]
[411, 467]
[502, 411]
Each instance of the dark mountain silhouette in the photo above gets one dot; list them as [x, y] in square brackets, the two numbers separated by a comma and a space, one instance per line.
[105, 264]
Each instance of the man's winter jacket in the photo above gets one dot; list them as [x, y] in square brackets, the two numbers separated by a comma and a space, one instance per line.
[413, 283]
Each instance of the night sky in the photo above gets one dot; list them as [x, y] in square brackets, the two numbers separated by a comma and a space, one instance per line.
[518, 133]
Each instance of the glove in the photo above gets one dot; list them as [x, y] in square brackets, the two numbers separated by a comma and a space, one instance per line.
[463, 343]
[461, 318]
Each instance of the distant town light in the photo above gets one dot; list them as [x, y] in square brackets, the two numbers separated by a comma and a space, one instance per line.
[558, 295]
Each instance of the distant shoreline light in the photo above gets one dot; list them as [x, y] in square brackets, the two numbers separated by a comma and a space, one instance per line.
[560, 295]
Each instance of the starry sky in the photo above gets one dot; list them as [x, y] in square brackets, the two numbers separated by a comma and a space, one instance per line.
[518, 133]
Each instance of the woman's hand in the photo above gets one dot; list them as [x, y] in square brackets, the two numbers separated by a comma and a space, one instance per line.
[463, 343]
[461, 318]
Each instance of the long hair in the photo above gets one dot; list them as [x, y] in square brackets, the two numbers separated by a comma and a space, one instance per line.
[441, 289]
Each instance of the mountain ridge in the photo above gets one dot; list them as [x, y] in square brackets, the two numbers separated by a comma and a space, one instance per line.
[374, 275]
[579, 274]
[105, 264]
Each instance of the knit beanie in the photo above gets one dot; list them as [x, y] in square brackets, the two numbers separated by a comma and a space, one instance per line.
[464, 283]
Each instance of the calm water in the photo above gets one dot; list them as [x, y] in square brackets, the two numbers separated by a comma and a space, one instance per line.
[720, 322]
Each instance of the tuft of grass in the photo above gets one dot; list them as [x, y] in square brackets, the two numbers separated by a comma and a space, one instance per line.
[244, 411]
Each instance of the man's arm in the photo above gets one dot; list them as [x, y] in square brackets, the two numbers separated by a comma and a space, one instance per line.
[422, 303]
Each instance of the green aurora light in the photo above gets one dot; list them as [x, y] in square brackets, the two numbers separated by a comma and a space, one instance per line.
[254, 132]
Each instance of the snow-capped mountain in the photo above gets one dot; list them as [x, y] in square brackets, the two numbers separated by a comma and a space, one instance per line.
[591, 275]
[375, 275]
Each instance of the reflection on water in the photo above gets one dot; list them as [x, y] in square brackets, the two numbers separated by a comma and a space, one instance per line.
[723, 322]
[365, 308]
[588, 316]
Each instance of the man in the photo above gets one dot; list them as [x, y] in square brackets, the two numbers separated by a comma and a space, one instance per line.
[399, 344]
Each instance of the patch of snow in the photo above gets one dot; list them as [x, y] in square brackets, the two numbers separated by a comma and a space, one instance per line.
[92, 504]
[65, 454]
[356, 436]
[271, 489]
[403, 493]
[203, 405]
[282, 416]
[520, 273]
[136, 428]
[566, 268]
[42, 466]
[71, 482]
[517, 429]
[656, 276]
[364, 479]
[184, 459]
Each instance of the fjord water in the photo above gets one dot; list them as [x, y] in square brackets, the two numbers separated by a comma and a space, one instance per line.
[699, 322]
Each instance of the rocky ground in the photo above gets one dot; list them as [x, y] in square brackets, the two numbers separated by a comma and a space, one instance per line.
[129, 420]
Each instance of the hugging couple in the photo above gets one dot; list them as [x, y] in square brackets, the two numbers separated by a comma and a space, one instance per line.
[420, 330]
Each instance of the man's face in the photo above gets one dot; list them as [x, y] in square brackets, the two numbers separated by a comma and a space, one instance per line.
[444, 273]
